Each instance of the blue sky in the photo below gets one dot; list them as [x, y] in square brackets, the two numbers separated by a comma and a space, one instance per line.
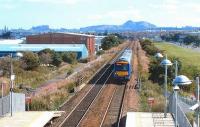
[81, 13]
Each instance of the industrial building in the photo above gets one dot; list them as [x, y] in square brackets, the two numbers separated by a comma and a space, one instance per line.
[98, 44]
[80, 49]
[64, 38]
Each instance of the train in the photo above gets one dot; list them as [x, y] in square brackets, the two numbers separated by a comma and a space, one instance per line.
[123, 66]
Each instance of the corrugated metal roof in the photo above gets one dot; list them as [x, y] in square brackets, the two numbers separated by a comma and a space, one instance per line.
[38, 47]
[78, 34]
[64, 33]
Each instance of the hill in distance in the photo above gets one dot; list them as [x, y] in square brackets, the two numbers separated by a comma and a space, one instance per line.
[127, 26]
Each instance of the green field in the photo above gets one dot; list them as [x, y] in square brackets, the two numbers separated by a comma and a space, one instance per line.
[187, 56]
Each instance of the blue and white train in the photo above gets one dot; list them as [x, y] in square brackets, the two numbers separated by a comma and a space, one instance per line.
[123, 66]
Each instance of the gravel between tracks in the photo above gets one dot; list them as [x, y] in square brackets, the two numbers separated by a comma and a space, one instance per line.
[113, 114]
[95, 115]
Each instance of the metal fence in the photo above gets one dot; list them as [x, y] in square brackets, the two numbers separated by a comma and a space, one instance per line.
[188, 101]
[18, 103]
[181, 117]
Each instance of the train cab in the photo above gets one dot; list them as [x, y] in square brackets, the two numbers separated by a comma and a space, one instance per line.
[122, 67]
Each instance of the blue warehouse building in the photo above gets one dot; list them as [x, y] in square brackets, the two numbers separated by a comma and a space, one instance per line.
[81, 49]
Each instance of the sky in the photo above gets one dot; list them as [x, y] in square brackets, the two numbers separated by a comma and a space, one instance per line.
[82, 13]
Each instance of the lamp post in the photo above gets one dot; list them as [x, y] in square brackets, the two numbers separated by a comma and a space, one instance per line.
[12, 78]
[176, 89]
[179, 80]
[176, 69]
[166, 63]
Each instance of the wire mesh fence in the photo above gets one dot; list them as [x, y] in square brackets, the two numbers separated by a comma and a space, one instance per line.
[18, 104]
[181, 116]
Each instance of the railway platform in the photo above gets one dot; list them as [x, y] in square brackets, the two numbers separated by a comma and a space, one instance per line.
[28, 119]
[144, 119]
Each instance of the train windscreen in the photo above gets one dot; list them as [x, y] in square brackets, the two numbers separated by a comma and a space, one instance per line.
[121, 66]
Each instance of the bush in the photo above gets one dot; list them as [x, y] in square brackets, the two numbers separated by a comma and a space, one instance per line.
[30, 60]
[70, 88]
[150, 89]
[109, 42]
[159, 105]
[83, 60]
[49, 102]
[100, 52]
[39, 104]
[191, 117]
[149, 47]
[5, 65]
[70, 71]
[47, 51]
[45, 58]
[57, 59]
[69, 57]
[156, 71]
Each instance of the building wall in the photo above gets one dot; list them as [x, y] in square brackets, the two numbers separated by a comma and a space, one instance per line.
[63, 38]
[91, 45]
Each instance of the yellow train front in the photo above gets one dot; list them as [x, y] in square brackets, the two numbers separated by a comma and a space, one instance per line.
[123, 66]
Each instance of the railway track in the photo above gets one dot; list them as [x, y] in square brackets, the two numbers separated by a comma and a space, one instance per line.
[73, 118]
[70, 105]
[77, 114]
[113, 114]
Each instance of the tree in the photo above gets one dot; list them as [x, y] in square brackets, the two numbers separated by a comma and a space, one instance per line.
[149, 47]
[6, 35]
[57, 59]
[109, 42]
[69, 57]
[30, 60]
[47, 50]
[176, 37]
[190, 39]
[5, 65]
[45, 58]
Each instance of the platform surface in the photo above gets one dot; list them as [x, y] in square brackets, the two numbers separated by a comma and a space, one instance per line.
[27, 119]
[144, 119]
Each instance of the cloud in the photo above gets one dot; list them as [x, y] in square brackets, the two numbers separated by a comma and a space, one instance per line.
[195, 7]
[8, 5]
[118, 15]
[68, 2]
[169, 6]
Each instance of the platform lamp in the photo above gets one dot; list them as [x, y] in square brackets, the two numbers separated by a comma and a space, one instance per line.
[166, 63]
[158, 55]
[12, 78]
[180, 80]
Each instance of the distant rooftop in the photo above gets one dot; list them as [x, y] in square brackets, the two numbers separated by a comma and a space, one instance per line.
[11, 41]
[79, 34]
[76, 34]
